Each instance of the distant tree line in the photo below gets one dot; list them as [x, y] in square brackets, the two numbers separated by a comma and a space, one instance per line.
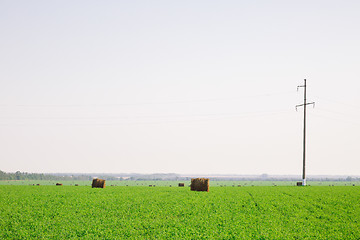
[157, 176]
[39, 176]
[55, 176]
[66, 176]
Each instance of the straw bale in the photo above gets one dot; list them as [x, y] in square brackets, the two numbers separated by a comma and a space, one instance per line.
[58, 184]
[181, 184]
[199, 184]
[98, 183]
[298, 183]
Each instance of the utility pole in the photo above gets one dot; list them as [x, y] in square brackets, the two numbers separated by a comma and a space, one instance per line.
[304, 134]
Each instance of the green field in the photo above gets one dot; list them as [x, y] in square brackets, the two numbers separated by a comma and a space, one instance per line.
[137, 212]
[175, 183]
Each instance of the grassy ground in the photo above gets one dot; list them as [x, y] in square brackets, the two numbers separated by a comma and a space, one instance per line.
[262, 212]
[187, 183]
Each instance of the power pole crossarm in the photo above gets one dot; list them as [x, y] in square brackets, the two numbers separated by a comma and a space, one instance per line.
[300, 105]
[304, 133]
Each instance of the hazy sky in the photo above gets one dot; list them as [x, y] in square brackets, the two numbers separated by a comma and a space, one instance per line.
[179, 86]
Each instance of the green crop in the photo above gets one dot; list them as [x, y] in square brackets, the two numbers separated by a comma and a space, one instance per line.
[286, 212]
[173, 183]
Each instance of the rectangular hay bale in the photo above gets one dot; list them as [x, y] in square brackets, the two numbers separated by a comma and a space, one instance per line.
[298, 183]
[181, 184]
[98, 183]
[199, 184]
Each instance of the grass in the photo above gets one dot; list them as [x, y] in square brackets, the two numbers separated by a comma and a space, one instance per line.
[187, 183]
[262, 212]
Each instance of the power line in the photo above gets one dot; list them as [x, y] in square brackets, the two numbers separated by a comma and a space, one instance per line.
[336, 119]
[330, 100]
[304, 132]
[199, 118]
[352, 114]
[148, 103]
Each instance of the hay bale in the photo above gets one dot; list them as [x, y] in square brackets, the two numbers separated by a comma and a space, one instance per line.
[298, 183]
[38, 184]
[181, 184]
[98, 183]
[76, 185]
[199, 184]
[58, 184]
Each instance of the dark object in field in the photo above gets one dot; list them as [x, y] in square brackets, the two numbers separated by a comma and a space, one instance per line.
[58, 184]
[239, 185]
[38, 184]
[98, 183]
[298, 183]
[150, 185]
[76, 185]
[199, 184]
[181, 184]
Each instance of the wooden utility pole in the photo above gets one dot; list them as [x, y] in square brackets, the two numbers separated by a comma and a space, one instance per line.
[304, 133]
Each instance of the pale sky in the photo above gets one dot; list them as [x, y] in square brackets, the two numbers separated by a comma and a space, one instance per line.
[179, 86]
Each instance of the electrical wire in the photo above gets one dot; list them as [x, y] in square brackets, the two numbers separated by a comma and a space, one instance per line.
[148, 103]
[187, 119]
